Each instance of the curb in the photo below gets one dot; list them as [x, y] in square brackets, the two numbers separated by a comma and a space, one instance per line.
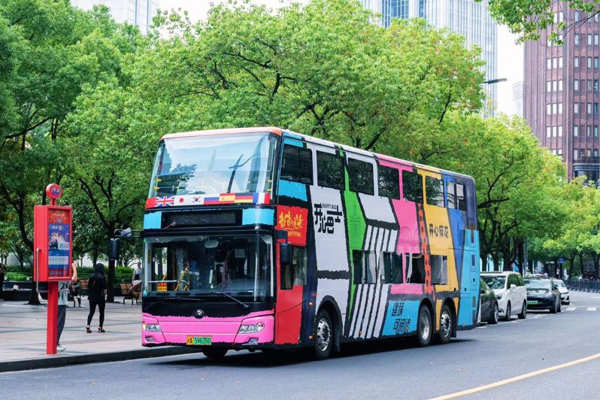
[62, 361]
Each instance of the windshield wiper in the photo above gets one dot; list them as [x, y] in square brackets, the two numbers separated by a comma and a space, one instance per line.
[241, 303]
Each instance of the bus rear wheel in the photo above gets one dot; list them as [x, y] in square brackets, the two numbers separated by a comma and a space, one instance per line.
[214, 353]
[424, 326]
[324, 335]
[446, 324]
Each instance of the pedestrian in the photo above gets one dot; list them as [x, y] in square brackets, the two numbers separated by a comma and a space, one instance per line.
[96, 295]
[2, 274]
[63, 300]
[136, 271]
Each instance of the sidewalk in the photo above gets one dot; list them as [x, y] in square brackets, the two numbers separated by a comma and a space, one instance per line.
[23, 336]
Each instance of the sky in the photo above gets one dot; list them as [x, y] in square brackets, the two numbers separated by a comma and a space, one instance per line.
[510, 55]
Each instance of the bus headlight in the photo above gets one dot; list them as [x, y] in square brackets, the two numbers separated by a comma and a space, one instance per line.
[251, 328]
[150, 327]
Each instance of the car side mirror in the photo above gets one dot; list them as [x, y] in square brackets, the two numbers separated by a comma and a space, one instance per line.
[513, 286]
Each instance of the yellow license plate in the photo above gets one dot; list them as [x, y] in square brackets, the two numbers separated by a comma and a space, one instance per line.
[198, 341]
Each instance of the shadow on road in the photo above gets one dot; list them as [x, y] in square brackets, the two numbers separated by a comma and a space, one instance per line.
[268, 359]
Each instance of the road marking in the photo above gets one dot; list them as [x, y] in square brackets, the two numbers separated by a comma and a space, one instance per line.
[482, 327]
[571, 309]
[591, 309]
[518, 378]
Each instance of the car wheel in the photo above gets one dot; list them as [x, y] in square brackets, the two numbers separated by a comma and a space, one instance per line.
[523, 313]
[494, 317]
[446, 324]
[324, 335]
[424, 326]
[214, 353]
[508, 311]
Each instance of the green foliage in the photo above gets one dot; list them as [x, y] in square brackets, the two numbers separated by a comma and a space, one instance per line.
[528, 17]
[14, 276]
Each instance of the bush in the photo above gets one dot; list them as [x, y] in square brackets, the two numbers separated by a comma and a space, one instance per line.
[15, 276]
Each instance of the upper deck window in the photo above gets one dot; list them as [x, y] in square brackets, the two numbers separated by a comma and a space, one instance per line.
[330, 170]
[389, 182]
[434, 188]
[412, 186]
[297, 165]
[236, 163]
[361, 176]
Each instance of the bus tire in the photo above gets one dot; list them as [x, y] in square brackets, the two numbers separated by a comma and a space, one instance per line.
[446, 324]
[324, 335]
[214, 353]
[424, 326]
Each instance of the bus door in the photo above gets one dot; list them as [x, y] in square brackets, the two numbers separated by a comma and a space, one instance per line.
[290, 290]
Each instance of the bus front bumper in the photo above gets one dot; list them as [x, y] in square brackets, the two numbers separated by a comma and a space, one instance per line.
[236, 332]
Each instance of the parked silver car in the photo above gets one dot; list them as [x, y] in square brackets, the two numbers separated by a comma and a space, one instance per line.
[565, 297]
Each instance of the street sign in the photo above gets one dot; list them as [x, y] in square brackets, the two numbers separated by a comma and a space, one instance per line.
[561, 260]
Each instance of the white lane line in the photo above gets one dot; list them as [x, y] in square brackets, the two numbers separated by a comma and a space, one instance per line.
[591, 309]
[482, 327]
[571, 309]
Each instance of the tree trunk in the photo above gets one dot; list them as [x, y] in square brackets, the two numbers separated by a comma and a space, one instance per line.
[581, 267]
[496, 260]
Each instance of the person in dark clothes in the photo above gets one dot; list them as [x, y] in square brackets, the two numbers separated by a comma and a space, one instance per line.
[96, 287]
[2, 275]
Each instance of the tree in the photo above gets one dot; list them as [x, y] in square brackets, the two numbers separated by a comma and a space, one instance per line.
[528, 17]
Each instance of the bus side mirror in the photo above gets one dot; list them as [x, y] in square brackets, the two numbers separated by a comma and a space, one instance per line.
[113, 249]
[285, 253]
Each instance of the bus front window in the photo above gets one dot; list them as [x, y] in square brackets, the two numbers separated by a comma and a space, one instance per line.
[240, 266]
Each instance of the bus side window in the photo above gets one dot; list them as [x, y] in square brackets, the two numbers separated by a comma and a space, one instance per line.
[460, 197]
[389, 182]
[439, 270]
[330, 170]
[434, 190]
[415, 268]
[392, 264]
[297, 165]
[360, 174]
[451, 194]
[412, 186]
[294, 274]
[365, 266]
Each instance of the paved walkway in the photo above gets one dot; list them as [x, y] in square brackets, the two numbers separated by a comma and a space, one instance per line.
[23, 336]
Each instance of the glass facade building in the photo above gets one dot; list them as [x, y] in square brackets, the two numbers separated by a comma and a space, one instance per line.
[468, 18]
[135, 12]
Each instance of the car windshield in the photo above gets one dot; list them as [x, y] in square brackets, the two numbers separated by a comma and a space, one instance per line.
[560, 283]
[201, 265]
[236, 163]
[537, 283]
[494, 282]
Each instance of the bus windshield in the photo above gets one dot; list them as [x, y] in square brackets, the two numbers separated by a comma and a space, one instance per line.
[202, 265]
[237, 163]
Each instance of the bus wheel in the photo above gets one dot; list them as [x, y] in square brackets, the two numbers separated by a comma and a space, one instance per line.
[324, 335]
[424, 326]
[445, 325]
[214, 353]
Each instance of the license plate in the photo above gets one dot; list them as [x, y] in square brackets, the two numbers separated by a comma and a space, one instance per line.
[198, 341]
[532, 302]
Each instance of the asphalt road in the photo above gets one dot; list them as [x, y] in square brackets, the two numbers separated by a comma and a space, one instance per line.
[484, 356]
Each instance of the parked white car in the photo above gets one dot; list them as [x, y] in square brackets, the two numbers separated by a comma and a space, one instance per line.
[510, 293]
[565, 297]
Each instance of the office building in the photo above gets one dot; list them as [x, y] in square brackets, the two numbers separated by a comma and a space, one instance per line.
[135, 12]
[468, 18]
[561, 93]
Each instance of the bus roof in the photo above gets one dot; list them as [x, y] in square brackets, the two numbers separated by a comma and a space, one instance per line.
[279, 132]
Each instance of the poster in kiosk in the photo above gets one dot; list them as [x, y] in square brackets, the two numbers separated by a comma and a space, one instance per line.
[53, 245]
[53, 238]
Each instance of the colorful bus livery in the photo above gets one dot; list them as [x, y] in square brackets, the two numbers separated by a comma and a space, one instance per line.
[262, 238]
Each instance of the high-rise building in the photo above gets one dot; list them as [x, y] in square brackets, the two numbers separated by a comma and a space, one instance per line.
[561, 93]
[468, 18]
[136, 12]
[517, 97]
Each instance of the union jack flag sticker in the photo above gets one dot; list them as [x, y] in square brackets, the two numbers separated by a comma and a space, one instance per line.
[165, 201]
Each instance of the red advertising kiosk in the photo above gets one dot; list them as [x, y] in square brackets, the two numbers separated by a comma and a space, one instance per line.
[53, 244]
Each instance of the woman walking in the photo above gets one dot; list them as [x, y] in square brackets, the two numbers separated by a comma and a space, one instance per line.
[96, 287]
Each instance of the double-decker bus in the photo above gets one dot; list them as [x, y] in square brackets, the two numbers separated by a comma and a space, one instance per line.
[261, 238]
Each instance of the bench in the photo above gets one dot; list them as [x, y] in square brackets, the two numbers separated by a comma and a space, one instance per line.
[128, 294]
